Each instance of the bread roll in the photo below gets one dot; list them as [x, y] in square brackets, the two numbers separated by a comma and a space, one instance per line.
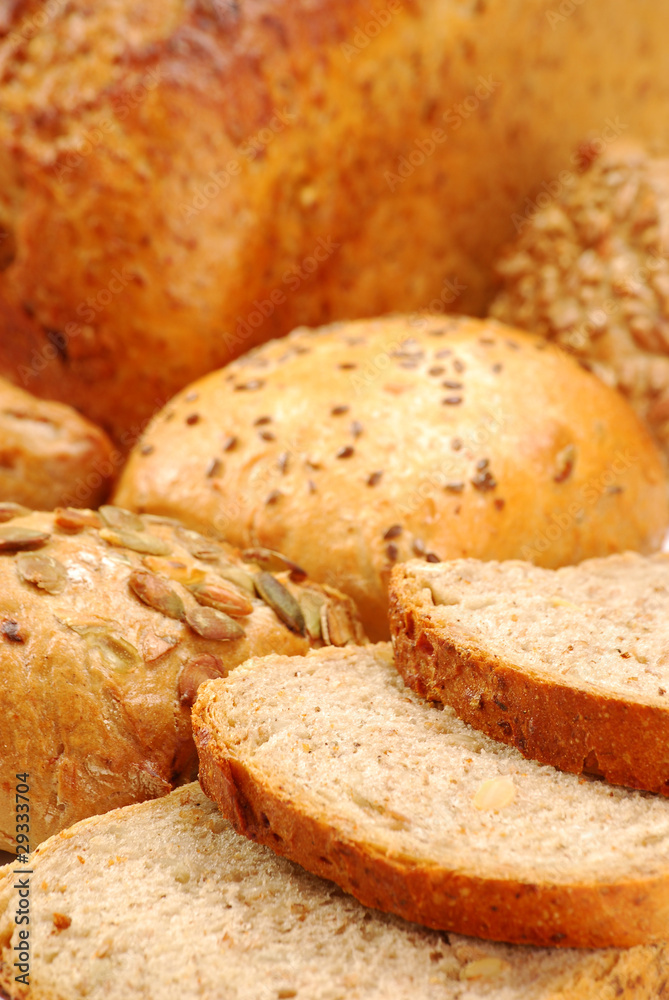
[180, 181]
[50, 455]
[356, 446]
[590, 271]
[108, 623]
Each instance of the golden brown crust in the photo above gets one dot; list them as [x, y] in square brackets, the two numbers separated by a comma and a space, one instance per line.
[587, 916]
[574, 729]
[121, 242]
[361, 444]
[103, 646]
[50, 455]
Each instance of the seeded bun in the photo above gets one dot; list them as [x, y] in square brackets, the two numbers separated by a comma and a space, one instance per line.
[108, 624]
[181, 180]
[363, 444]
[50, 455]
[590, 271]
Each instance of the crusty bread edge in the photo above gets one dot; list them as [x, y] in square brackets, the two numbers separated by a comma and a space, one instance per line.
[579, 730]
[597, 915]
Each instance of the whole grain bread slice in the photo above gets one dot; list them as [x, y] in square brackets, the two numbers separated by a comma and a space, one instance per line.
[330, 760]
[163, 901]
[571, 666]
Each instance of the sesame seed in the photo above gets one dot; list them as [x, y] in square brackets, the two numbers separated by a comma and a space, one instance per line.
[193, 418]
[497, 367]
[282, 461]
[347, 365]
[482, 464]
[436, 370]
[262, 420]
[418, 546]
[484, 481]
[267, 435]
[486, 341]
[336, 411]
[450, 384]
[147, 449]
[346, 452]
[451, 400]
[374, 478]
[356, 428]
[444, 352]
[273, 497]
[229, 443]
[312, 485]
[191, 397]
[393, 531]
[456, 444]
[454, 487]
[312, 464]
[432, 557]
[254, 383]
[214, 468]
[499, 503]
[459, 365]
[513, 345]
[392, 551]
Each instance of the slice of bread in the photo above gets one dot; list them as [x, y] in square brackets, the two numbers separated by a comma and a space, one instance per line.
[571, 666]
[330, 760]
[163, 901]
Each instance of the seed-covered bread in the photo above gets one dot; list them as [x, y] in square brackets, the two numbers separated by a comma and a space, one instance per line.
[180, 181]
[164, 901]
[108, 624]
[589, 270]
[50, 455]
[329, 760]
[359, 445]
[571, 666]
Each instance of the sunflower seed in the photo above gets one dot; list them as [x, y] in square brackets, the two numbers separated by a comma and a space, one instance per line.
[224, 599]
[281, 601]
[73, 519]
[311, 603]
[150, 544]
[120, 519]
[201, 668]
[10, 510]
[269, 559]
[14, 539]
[42, 571]
[156, 592]
[199, 546]
[212, 624]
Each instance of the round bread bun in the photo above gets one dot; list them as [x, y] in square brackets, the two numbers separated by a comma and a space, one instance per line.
[50, 455]
[108, 625]
[181, 180]
[361, 444]
[590, 271]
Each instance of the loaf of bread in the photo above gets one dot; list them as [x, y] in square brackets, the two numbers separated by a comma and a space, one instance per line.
[590, 270]
[163, 901]
[183, 180]
[570, 665]
[359, 445]
[108, 624]
[329, 760]
[50, 455]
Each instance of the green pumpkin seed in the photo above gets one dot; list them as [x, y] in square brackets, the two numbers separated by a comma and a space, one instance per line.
[199, 546]
[201, 668]
[147, 543]
[14, 539]
[311, 602]
[224, 599]
[44, 572]
[9, 510]
[156, 592]
[212, 624]
[275, 562]
[73, 519]
[281, 601]
[120, 519]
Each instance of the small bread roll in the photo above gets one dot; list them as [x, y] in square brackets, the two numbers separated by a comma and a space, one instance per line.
[590, 271]
[358, 445]
[51, 456]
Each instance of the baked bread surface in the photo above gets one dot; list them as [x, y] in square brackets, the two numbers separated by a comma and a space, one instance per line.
[163, 901]
[568, 665]
[183, 180]
[359, 445]
[50, 455]
[108, 623]
[330, 760]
